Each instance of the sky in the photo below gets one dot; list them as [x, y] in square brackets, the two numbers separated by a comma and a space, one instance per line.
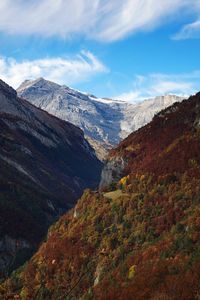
[122, 49]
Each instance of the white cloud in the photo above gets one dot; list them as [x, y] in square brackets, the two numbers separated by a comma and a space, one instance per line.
[162, 84]
[105, 20]
[191, 30]
[60, 70]
[188, 31]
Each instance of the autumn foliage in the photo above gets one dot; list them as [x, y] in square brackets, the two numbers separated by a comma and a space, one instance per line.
[142, 241]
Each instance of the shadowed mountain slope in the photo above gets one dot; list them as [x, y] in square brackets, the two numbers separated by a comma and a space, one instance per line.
[45, 164]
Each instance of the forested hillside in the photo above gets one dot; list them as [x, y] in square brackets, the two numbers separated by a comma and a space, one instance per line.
[139, 237]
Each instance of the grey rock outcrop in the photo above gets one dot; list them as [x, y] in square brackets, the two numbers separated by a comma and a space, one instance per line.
[112, 171]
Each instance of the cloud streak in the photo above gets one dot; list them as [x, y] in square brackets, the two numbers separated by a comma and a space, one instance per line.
[60, 70]
[189, 31]
[105, 20]
[153, 85]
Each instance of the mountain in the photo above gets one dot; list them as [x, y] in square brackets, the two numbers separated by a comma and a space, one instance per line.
[45, 165]
[139, 114]
[139, 235]
[104, 121]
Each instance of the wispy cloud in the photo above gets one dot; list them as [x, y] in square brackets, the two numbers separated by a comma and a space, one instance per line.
[125, 17]
[189, 31]
[60, 70]
[161, 84]
[105, 20]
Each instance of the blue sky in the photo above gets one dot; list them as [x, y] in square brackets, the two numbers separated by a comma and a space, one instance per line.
[128, 49]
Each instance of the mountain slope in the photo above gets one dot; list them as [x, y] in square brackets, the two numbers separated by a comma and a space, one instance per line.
[45, 166]
[104, 121]
[140, 236]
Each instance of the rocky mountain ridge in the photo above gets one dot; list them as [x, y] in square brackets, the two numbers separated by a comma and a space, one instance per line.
[104, 121]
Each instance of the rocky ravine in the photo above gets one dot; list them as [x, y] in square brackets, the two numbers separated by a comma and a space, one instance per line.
[104, 121]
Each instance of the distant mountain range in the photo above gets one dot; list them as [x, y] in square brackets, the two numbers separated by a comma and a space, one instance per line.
[104, 121]
[45, 164]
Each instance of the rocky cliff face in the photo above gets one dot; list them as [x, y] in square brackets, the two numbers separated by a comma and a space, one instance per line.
[112, 171]
[46, 163]
[104, 121]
